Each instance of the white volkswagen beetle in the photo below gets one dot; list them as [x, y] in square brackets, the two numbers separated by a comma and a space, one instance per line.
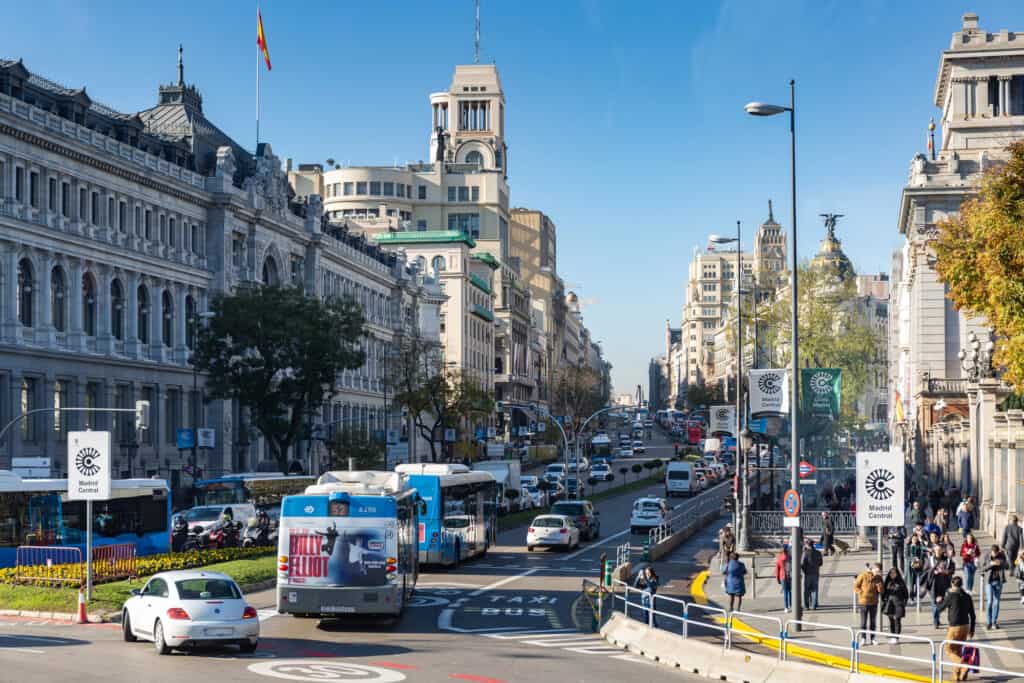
[187, 608]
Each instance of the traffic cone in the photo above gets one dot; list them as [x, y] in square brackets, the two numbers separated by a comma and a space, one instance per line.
[83, 618]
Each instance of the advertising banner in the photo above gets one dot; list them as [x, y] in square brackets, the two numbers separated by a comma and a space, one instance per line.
[769, 392]
[722, 419]
[880, 489]
[822, 390]
[89, 465]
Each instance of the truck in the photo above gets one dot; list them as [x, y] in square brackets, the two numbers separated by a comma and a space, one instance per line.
[506, 472]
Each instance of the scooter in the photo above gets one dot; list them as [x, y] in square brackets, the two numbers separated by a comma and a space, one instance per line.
[179, 534]
[223, 535]
[256, 535]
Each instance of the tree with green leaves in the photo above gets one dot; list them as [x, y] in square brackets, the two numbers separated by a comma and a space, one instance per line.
[437, 397]
[698, 395]
[980, 257]
[278, 353]
[367, 453]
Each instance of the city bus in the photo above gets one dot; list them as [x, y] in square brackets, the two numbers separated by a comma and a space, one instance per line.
[265, 489]
[600, 445]
[37, 512]
[460, 518]
[347, 545]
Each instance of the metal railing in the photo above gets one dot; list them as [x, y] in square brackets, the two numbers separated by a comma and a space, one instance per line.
[731, 625]
[48, 564]
[685, 515]
[769, 522]
[114, 561]
[622, 554]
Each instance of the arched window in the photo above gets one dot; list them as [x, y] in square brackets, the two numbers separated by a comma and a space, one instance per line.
[437, 264]
[89, 304]
[58, 299]
[117, 309]
[475, 157]
[270, 276]
[24, 299]
[421, 264]
[167, 324]
[142, 314]
[191, 322]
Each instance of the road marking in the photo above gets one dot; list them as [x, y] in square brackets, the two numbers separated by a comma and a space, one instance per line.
[319, 670]
[604, 541]
[527, 633]
[477, 679]
[268, 613]
[499, 584]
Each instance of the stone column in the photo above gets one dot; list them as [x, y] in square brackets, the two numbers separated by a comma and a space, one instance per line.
[48, 437]
[76, 333]
[14, 389]
[45, 334]
[10, 331]
[156, 321]
[181, 351]
[985, 414]
[1015, 442]
[132, 345]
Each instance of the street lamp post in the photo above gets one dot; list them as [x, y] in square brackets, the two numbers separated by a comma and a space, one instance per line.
[197, 403]
[762, 109]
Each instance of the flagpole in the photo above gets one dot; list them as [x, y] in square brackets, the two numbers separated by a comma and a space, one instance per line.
[259, 55]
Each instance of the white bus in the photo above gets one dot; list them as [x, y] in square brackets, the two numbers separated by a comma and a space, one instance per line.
[348, 546]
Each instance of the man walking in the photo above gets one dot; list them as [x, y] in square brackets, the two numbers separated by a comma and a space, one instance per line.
[784, 575]
[868, 587]
[916, 514]
[811, 564]
[1012, 540]
[828, 534]
[961, 624]
[897, 540]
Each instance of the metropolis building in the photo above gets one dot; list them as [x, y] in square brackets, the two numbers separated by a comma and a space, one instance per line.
[116, 231]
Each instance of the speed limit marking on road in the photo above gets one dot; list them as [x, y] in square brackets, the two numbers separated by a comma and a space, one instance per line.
[320, 670]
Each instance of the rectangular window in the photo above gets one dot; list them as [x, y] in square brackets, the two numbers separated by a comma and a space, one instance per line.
[146, 435]
[51, 195]
[60, 398]
[194, 238]
[423, 192]
[389, 189]
[172, 232]
[111, 212]
[147, 228]
[29, 402]
[468, 223]
[463, 194]
[138, 222]
[163, 229]
[476, 193]
[408, 191]
[122, 216]
[65, 200]
[94, 208]
[19, 183]
[451, 194]
[348, 189]
[361, 188]
[421, 225]
[237, 247]
[92, 400]
[375, 188]
[83, 203]
[400, 190]
[33, 189]
[172, 415]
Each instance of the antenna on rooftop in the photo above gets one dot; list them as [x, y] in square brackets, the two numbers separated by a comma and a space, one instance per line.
[476, 52]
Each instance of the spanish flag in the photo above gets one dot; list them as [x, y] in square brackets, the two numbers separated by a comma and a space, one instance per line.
[261, 38]
[900, 416]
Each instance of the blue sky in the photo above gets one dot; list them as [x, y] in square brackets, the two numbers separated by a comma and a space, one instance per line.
[625, 120]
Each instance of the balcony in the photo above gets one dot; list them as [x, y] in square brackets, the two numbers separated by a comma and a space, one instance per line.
[944, 387]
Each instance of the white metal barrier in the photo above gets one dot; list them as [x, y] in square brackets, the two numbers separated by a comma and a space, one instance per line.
[851, 648]
[859, 652]
[758, 635]
[982, 647]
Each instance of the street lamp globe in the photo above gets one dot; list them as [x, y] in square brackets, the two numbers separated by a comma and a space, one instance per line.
[763, 109]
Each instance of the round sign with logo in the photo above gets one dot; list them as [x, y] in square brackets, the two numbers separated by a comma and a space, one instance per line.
[807, 469]
[791, 503]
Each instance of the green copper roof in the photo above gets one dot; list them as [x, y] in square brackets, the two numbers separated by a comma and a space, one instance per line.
[480, 282]
[425, 237]
[487, 258]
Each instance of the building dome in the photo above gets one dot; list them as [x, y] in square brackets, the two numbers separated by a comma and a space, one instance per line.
[830, 251]
[571, 298]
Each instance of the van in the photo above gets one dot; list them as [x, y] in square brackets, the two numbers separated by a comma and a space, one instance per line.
[680, 479]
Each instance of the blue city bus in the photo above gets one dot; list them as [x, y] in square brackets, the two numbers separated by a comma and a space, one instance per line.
[37, 512]
[460, 519]
[260, 488]
[348, 546]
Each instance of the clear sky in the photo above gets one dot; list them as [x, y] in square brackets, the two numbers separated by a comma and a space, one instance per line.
[625, 120]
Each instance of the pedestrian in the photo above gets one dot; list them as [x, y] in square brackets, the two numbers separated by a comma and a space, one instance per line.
[811, 563]
[996, 565]
[930, 527]
[647, 581]
[965, 516]
[916, 514]
[726, 544]
[969, 553]
[735, 583]
[949, 548]
[897, 539]
[784, 576]
[916, 552]
[894, 602]
[942, 520]
[1012, 539]
[961, 624]
[868, 585]
[938, 586]
[828, 534]
[933, 501]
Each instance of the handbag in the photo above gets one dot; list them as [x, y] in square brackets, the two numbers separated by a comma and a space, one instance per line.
[971, 657]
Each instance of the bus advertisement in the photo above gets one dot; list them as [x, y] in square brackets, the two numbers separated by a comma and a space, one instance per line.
[460, 519]
[348, 546]
[37, 512]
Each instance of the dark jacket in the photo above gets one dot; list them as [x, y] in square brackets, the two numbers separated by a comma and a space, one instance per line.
[734, 581]
[916, 516]
[961, 608]
[938, 584]
[828, 526]
[996, 566]
[643, 583]
[811, 562]
[1012, 537]
[897, 537]
[894, 598]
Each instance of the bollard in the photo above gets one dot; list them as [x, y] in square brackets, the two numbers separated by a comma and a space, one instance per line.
[917, 592]
[753, 576]
[647, 550]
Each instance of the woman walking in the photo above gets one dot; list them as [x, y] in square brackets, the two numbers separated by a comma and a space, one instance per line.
[647, 581]
[735, 583]
[894, 602]
[969, 553]
[995, 567]
[916, 552]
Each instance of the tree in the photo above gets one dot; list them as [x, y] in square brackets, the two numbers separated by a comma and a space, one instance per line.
[278, 352]
[576, 391]
[366, 452]
[624, 471]
[698, 395]
[980, 257]
[637, 469]
[436, 397]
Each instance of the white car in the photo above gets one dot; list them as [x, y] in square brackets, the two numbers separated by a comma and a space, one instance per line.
[529, 480]
[552, 530]
[602, 472]
[583, 467]
[531, 497]
[702, 481]
[648, 512]
[555, 468]
[625, 451]
[638, 446]
[206, 516]
[186, 608]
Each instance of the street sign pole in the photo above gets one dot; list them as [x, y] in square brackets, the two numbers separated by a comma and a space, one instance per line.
[88, 550]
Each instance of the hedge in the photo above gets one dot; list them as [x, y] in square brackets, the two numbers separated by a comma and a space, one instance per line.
[71, 574]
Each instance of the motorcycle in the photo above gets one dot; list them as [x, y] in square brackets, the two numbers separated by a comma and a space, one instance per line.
[198, 539]
[223, 535]
[179, 534]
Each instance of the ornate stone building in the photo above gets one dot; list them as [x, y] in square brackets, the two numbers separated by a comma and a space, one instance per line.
[116, 230]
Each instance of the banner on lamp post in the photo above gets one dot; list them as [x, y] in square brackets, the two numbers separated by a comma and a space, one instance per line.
[821, 390]
[722, 419]
[768, 392]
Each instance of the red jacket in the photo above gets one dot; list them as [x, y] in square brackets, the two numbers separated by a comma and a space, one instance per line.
[780, 566]
[970, 552]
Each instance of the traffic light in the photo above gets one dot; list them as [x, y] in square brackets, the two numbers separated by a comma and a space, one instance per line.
[141, 415]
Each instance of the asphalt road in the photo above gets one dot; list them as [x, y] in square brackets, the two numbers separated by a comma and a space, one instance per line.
[505, 617]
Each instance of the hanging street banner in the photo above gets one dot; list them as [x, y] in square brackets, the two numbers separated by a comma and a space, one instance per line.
[880, 489]
[722, 419]
[769, 392]
[822, 389]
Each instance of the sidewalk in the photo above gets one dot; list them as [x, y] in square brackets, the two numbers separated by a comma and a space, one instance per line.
[836, 608]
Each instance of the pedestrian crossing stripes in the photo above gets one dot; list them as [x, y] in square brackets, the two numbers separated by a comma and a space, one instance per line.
[567, 639]
[267, 613]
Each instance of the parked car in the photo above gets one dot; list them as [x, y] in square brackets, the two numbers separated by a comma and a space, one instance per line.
[552, 530]
[553, 477]
[183, 609]
[584, 465]
[601, 471]
[648, 512]
[582, 514]
[638, 446]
